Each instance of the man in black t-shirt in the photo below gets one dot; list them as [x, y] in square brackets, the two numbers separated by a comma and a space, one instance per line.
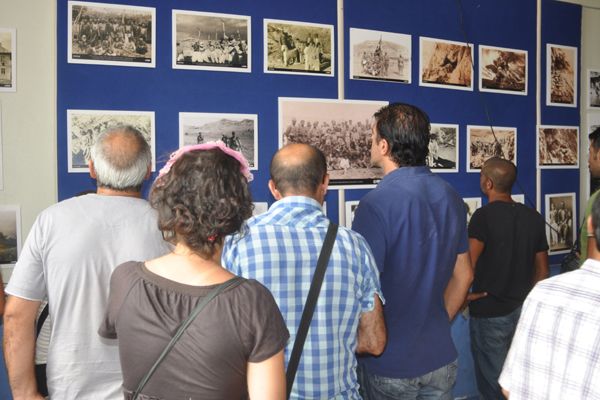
[508, 248]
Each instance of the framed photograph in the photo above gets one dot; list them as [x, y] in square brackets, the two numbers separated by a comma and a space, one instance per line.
[561, 75]
[380, 56]
[593, 88]
[519, 198]
[260, 207]
[84, 126]
[593, 122]
[471, 204]
[445, 64]
[502, 70]
[484, 142]
[10, 233]
[557, 146]
[350, 209]
[238, 131]
[111, 34]
[560, 222]
[340, 128]
[298, 48]
[1, 151]
[210, 41]
[443, 148]
[8, 60]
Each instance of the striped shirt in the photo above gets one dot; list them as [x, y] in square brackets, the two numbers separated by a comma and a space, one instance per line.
[280, 249]
[555, 353]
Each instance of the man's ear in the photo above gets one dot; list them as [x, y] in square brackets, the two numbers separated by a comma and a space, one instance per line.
[590, 227]
[93, 174]
[325, 185]
[274, 191]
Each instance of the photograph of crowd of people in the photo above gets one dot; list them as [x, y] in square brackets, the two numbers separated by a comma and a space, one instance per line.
[558, 146]
[445, 63]
[8, 56]
[238, 131]
[483, 143]
[10, 233]
[340, 128]
[560, 222]
[471, 204]
[443, 148]
[298, 48]
[111, 34]
[561, 75]
[83, 126]
[204, 40]
[382, 56]
[349, 215]
[593, 88]
[502, 70]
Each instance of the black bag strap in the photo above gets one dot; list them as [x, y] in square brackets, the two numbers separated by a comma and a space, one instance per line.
[184, 325]
[41, 320]
[309, 306]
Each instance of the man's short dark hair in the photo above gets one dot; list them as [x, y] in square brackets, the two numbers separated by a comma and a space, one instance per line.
[406, 129]
[595, 138]
[502, 172]
[299, 177]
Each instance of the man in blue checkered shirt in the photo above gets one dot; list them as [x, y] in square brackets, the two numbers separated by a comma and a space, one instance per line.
[280, 249]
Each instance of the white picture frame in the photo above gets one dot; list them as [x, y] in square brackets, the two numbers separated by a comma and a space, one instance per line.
[481, 141]
[8, 60]
[560, 236]
[10, 233]
[567, 137]
[445, 158]
[433, 72]
[503, 70]
[561, 75]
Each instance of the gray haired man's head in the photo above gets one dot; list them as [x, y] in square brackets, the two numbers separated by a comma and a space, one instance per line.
[120, 159]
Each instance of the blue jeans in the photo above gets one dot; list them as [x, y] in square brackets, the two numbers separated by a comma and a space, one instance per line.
[490, 341]
[433, 385]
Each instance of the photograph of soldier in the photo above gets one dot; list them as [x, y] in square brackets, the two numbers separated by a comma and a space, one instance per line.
[594, 88]
[111, 34]
[561, 75]
[298, 48]
[502, 70]
[238, 131]
[7, 59]
[558, 146]
[471, 204]
[483, 143]
[204, 40]
[447, 64]
[10, 233]
[560, 222]
[382, 56]
[339, 128]
[85, 125]
[443, 148]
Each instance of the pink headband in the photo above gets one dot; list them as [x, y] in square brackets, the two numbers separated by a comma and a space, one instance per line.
[244, 167]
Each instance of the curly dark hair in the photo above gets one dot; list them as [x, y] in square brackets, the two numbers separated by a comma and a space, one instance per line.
[202, 199]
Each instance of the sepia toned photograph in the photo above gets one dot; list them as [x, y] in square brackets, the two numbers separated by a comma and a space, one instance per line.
[502, 70]
[111, 34]
[1, 152]
[560, 222]
[10, 233]
[298, 48]
[471, 204]
[593, 88]
[340, 128]
[443, 148]
[8, 60]
[238, 131]
[445, 64]
[380, 56]
[84, 126]
[561, 75]
[210, 41]
[483, 142]
[349, 215]
[557, 146]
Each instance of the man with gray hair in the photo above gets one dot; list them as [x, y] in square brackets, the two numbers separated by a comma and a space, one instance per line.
[68, 258]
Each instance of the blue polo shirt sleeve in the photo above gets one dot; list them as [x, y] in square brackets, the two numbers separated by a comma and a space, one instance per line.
[367, 221]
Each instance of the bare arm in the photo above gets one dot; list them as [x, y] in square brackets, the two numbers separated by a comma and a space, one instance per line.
[459, 284]
[372, 335]
[19, 347]
[266, 379]
[541, 266]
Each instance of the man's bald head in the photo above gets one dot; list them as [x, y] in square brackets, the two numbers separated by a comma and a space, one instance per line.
[501, 172]
[298, 169]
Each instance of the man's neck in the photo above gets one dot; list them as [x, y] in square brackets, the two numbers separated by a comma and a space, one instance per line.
[494, 196]
[103, 191]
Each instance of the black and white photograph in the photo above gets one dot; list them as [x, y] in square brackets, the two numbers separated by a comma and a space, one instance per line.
[471, 204]
[518, 198]
[298, 48]
[380, 56]
[593, 122]
[10, 233]
[8, 60]
[483, 142]
[445, 64]
[211, 41]
[340, 128]
[561, 75]
[443, 148]
[349, 215]
[502, 70]
[260, 207]
[594, 88]
[111, 34]
[84, 126]
[560, 222]
[238, 131]
[557, 146]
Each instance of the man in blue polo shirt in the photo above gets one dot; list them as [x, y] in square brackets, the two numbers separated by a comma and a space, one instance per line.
[415, 224]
